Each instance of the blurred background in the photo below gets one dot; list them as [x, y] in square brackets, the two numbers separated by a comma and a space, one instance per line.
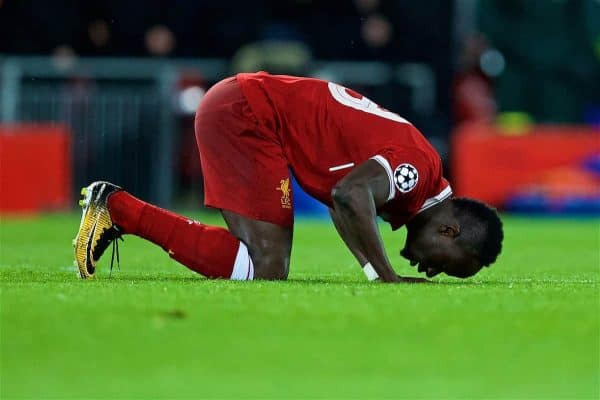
[508, 91]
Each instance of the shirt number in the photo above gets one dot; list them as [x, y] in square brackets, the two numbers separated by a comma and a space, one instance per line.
[363, 104]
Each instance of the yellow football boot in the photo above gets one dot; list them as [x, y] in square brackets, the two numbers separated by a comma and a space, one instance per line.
[96, 230]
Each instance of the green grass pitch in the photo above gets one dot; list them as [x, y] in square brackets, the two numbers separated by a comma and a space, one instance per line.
[528, 327]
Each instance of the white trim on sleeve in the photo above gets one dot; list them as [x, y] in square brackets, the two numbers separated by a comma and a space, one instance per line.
[388, 169]
[430, 202]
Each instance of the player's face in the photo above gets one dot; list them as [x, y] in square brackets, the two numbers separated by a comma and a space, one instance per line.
[433, 253]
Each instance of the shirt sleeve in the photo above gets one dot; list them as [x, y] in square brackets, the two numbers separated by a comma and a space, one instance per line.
[409, 173]
[388, 169]
[415, 182]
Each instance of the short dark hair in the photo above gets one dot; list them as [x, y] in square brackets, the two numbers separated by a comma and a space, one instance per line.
[480, 229]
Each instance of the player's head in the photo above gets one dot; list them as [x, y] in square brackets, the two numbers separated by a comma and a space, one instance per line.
[457, 238]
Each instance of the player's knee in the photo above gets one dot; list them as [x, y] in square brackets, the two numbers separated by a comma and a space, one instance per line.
[270, 264]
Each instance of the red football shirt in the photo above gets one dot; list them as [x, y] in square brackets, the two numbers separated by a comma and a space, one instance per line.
[326, 130]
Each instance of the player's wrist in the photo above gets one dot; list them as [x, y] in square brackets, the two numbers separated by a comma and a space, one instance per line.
[370, 272]
[372, 275]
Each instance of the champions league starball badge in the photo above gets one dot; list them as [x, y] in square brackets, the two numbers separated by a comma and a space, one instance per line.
[406, 177]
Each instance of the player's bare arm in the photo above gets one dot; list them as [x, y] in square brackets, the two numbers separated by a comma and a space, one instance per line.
[355, 200]
[349, 240]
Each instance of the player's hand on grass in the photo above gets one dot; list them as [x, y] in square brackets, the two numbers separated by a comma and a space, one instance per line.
[406, 279]
[410, 279]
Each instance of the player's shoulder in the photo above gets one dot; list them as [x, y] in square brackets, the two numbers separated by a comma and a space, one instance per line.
[410, 170]
[398, 154]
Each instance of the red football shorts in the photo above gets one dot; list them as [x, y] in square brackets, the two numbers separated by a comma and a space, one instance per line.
[244, 168]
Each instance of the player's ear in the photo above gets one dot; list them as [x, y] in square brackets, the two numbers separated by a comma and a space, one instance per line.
[452, 230]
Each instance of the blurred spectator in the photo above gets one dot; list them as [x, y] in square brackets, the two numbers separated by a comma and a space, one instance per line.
[551, 70]
[473, 90]
[333, 29]
[99, 36]
[63, 57]
[189, 92]
[377, 31]
[159, 41]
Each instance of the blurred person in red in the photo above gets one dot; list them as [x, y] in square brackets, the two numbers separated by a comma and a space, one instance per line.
[191, 87]
[473, 89]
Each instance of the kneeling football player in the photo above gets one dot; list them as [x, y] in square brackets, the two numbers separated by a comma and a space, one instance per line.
[359, 159]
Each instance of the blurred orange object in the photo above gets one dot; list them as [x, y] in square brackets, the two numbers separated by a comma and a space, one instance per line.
[490, 166]
[35, 168]
[565, 181]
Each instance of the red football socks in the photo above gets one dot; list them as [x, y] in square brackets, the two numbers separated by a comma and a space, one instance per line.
[208, 250]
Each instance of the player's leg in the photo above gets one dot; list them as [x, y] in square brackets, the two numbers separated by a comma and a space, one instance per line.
[269, 244]
[110, 212]
[246, 176]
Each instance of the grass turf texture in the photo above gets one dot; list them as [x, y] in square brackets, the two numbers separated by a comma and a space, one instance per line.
[527, 327]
